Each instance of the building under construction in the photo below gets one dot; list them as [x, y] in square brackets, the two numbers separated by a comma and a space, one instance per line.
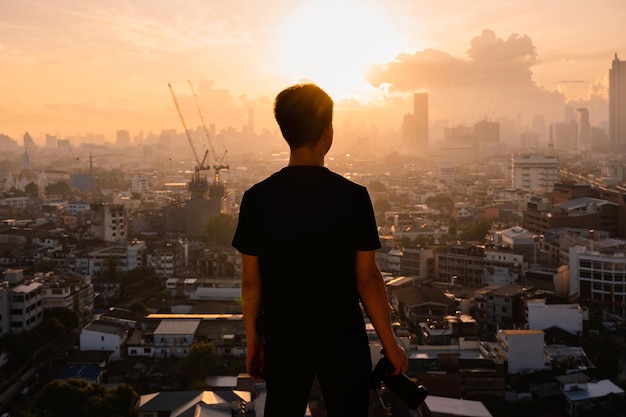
[190, 218]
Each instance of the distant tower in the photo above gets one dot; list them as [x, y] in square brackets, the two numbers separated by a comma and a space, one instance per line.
[51, 141]
[122, 138]
[251, 120]
[420, 113]
[539, 127]
[617, 102]
[584, 130]
[25, 161]
[29, 143]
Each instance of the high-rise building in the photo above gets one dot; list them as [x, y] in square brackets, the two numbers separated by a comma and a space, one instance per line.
[617, 102]
[108, 222]
[584, 129]
[420, 114]
[51, 141]
[539, 127]
[122, 138]
[564, 135]
[29, 143]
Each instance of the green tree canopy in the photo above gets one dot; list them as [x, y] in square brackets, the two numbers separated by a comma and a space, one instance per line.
[221, 229]
[74, 397]
[201, 358]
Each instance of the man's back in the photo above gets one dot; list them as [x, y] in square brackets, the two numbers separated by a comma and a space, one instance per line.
[307, 225]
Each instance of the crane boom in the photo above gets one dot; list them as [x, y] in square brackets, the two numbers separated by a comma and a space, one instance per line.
[206, 131]
[182, 119]
[217, 165]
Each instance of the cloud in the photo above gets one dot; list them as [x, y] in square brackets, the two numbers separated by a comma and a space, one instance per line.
[495, 73]
[490, 60]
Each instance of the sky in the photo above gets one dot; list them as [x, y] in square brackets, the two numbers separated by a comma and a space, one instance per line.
[83, 66]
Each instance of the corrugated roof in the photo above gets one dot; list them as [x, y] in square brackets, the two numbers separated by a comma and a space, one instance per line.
[169, 326]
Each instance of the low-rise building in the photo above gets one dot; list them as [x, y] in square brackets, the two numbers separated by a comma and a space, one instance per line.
[104, 336]
[522, 350]
[569, 317]
[578, 389]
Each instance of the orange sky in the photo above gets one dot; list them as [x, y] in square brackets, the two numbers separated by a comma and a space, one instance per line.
[75, 66]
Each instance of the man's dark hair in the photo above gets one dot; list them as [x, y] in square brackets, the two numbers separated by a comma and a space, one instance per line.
[303, 111]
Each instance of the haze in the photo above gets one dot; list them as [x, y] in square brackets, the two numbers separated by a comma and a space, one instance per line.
[72, 67]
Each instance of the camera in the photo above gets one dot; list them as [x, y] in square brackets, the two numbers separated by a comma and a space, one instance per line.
[404, 387]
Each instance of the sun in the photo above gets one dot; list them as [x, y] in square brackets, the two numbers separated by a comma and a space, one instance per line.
[334, 42]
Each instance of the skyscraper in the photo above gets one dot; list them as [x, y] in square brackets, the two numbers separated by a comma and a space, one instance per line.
[617, 102]
[584, 129]
[420, 114]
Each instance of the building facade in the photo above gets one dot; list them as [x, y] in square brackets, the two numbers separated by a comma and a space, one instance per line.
[534, 172]
[617, 102]
[108, 222]
[598, 279]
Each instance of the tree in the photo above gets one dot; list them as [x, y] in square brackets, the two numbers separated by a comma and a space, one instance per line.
[220, 229]
[75, 397]
[32, 190]
[476, 230]
[57, 188]
[201, 358]
[376, 187]
[381, 204]
[51, 328]
[443, 203]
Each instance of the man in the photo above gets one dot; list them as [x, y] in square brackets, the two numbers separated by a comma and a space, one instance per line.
[307, 238]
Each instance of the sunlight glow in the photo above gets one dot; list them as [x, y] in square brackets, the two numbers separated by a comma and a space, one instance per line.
[332, 43]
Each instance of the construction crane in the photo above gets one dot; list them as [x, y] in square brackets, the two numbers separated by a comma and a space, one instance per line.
[198, 186]
[217, 165]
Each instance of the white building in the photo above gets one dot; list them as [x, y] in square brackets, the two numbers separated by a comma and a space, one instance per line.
[108, 222]
[517, 238]
[72, 293]
[126, 258]
[174, 337]
[534, 172]
[139, 184]
[15, 202]
[26, 308]
[598, 278]
[522, 350]
[105, 336]
[568, 317]
[446, 172]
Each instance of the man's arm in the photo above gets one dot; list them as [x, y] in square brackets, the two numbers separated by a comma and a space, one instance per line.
[373, 294]
[251, 307]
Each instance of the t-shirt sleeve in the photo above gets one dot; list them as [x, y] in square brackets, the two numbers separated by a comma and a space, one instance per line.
[366, 231]
[246, 239]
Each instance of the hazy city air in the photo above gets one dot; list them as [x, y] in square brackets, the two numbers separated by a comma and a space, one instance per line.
[491, 137]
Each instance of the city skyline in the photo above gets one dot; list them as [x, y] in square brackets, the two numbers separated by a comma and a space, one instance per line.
[72, 67]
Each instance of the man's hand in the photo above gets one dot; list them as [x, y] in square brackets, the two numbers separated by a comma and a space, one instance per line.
[255, 359]
[397, 356]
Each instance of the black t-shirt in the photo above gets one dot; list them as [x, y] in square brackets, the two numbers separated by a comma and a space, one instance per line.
[305, 224]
